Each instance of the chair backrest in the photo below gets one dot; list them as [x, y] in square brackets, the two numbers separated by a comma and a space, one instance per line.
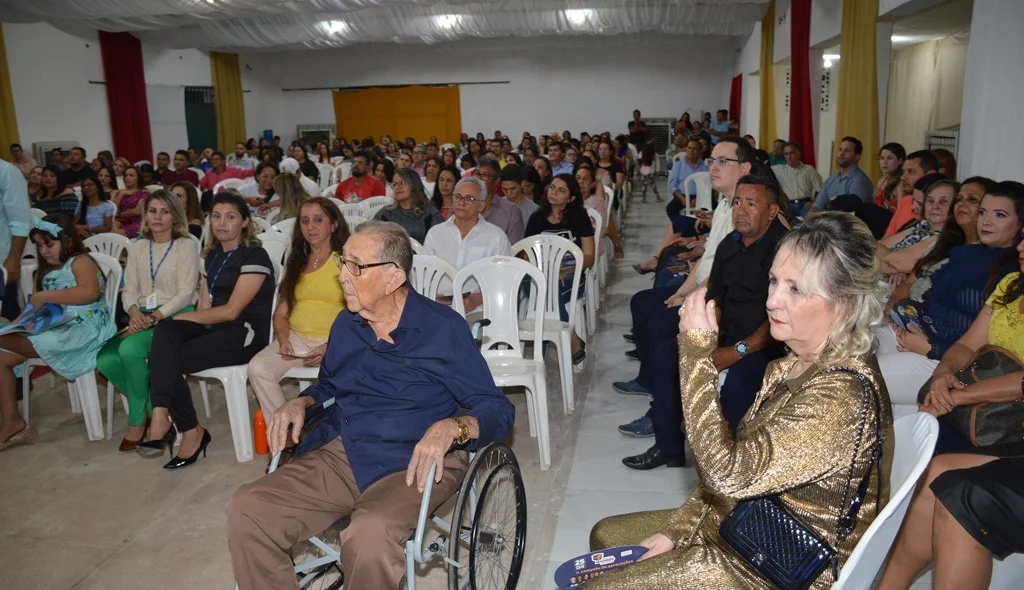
[154, 187]
[234, 183]
[262, 224]
[597, 221]
[702, 188]
[417, 248]
[37, 213]
[343, 171]
[199, 172]
[112, 271]
[329, 191]
[198, 243]
[286, 226]
[326, 175]
[500, 278]
[428, 273]
[353, 209]
[341, 204]
[373, 204]
[273, 215]
[141, 162]
[354, 221]
[276, 250]
[546, 251]
[915, 441]
[110, 244]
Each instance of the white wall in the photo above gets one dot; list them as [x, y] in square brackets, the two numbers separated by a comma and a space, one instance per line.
[549, 88]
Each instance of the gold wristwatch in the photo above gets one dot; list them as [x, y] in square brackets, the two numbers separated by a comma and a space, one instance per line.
[463, 436]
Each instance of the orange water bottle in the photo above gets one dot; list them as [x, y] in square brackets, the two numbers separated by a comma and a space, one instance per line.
[259, 433]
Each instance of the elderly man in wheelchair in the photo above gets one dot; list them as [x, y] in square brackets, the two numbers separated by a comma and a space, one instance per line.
[399, 367]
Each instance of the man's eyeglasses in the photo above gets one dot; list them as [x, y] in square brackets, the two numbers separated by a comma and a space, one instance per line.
[484, 175]
[720, 161]
[463, 199]
[354, 268]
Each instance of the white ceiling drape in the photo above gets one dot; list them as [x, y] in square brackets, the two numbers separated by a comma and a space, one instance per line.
[255, 25]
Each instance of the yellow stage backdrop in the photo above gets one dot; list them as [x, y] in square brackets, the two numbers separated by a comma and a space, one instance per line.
[413, 111]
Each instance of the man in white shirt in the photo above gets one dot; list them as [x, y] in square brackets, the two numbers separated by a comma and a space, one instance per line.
[241, 158]
[466, 237]
[799, 181]
[292, 165]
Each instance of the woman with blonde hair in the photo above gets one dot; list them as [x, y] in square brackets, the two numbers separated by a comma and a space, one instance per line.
[120, 166]
[822, 305]
[291, 195]
[159, 283]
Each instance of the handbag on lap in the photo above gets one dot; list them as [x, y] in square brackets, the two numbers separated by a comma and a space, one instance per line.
[986, 423]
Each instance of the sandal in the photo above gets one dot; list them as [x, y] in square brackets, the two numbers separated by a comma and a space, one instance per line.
[578, 357]
[25, 436]
[645, 271]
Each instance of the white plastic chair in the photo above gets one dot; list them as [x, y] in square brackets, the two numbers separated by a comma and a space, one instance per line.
[338, 202]
[154, 187]
[701, 188]
[354, 221]
[417, 248]
[591, 294]
[112, 245]
[198, 243]
[263, 225]
[235, 183]
[915, 441]
[286, 227]
[276, 249]
[84, 396]
[373, 204]
[141, 162]
[343, 171]
[353, 209]
[37, 213]
[329, 191]
[326, 175]
[199, 172]
[428, 272]
[499, 278]
[546, 251]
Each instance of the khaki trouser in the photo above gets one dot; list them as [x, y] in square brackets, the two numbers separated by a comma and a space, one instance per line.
[268, 366]
[307, 495]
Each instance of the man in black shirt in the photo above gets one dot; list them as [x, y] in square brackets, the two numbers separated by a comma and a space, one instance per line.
[72, 175]
[637, 131]
[739, 286]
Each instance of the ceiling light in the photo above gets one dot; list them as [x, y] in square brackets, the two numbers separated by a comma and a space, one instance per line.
[831, 56]
[578, 16]
[901, 38]
[333, 27]
[447, 21]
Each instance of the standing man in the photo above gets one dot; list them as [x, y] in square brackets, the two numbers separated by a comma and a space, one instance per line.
[498, 210]
[799, 181]
[684, 167]
[72, 175]
[181, 172]
[360, 184]
[637, 131]
[848, 180]
[22, 162]
[720, 128]
[15, 223]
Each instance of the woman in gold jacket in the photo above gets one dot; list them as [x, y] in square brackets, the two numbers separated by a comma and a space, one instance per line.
[799, 437]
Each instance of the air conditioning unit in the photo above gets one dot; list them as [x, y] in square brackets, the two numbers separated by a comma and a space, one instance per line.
[316, 133]
[945, 138]
[659, 130]
[41, 149]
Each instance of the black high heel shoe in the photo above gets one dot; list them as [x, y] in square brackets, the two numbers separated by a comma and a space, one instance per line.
[153, 449]
[179, 462]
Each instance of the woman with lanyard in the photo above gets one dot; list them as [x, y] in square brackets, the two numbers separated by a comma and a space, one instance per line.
[231, 325]
[159, 282]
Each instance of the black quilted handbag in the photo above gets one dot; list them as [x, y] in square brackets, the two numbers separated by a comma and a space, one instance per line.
[778, 546]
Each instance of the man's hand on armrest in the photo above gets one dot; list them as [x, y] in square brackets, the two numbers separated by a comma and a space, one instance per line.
[433, 447]
[292, 413]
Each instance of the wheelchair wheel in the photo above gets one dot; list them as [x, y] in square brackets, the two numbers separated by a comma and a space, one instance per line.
[327, 576]
[488, 538]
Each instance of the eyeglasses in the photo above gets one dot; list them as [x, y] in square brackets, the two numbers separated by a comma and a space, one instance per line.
[354, 268]
[484, 175]
[462, 199]
[720, 161]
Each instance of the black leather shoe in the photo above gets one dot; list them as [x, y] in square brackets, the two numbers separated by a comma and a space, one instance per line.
[628, 337]
[653, 458]
[631, 355]
[177, 462]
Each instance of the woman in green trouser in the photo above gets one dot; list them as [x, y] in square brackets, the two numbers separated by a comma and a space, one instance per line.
[159, 282]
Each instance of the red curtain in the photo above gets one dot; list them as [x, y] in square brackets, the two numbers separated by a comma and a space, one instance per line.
[736, 99]
[801, 122]
[126, 95]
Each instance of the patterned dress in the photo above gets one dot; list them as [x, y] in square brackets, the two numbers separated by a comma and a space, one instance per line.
[132, 225]
[70, 349]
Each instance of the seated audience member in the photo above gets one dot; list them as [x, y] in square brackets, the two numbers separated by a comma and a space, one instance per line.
[159, 283]
[954, 294]
[444, 189]
[556, 153]
[130, 201]
[260, 195]
[322, 154]
[597, 199]
[466, 237]
[291, 195]
[689, 163]
[799, 181]
[450, 157]
[778, 153]
[220, 171]
[344, 469]
[563, 214]
[848, 180]
[230, 326]
[901, 251]
[119, 166]
[675, 151]
[204, 160]
[188, 196]
[56, 158]
[146, 177]
[163, 163]
[306, 166]
[310, 298]
[511, 177]
[822, 306]
[96, 215]
[739, 287]
[384, 172]
[35, 183]
[23, 163]
[106, 178]
[96, 164]
[67, 276]
[107, 157]
[54, 197]
[72, 173]
[418, 163]
[887, 192]
[467, 163]
[181, 172]
[531, 187]
[606, 161]
[915, 167]
[947, 162]
[361, 184]
[543, 168]
[499, 210]
[411, 209]
[431, 167]
[403, 160]
[292, 166]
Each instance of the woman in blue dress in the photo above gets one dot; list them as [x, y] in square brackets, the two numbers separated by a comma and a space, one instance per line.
[67, 276]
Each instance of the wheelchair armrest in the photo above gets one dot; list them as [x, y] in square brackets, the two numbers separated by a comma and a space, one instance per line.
[315, 414]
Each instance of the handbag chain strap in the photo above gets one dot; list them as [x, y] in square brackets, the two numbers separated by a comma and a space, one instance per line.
[847, 520]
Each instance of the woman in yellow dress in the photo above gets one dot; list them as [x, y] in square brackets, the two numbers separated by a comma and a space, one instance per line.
[797, 440]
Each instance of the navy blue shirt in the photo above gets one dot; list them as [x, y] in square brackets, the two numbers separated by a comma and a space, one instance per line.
[389, 394]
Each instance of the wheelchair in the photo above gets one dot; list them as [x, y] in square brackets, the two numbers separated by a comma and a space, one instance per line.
[482, 547]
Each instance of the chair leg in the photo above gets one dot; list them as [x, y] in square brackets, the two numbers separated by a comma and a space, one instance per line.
[206, 396]
[76, 404]
[110, 409]
[86, 392]
[540, 397]
[565, 369]
[238, 415]
[26, 389]
[531, 412]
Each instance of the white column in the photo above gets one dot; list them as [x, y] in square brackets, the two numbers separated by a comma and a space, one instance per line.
[883, 39]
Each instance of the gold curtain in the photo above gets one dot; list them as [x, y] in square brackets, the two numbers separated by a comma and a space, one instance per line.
[857, 113]
[8, 121]
[766, 132]
[227, 99]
